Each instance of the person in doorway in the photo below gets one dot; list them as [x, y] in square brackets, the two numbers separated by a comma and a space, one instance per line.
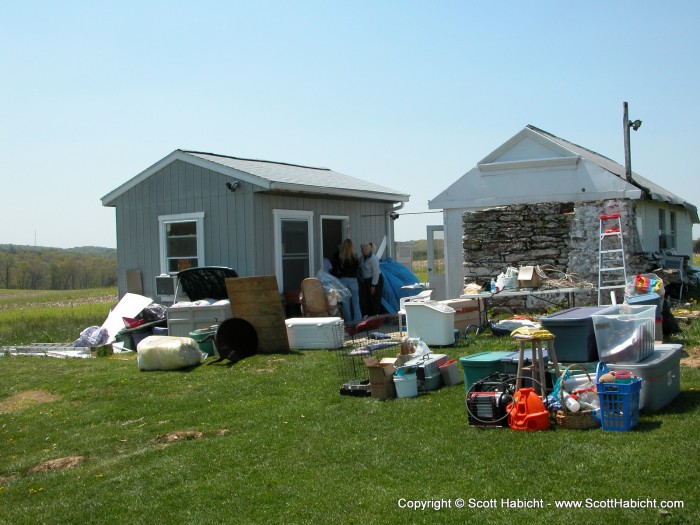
[346, 267]
[371, 281]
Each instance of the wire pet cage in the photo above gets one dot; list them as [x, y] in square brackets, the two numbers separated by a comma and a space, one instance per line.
[378, 336]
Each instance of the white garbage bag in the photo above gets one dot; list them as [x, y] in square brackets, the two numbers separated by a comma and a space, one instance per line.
[162, 352]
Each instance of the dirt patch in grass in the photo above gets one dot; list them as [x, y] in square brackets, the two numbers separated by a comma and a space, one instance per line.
[58, 464]
[691, 356]
[26, 399]
[180, 435]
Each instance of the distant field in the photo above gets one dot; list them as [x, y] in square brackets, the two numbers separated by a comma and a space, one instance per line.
[51, 316]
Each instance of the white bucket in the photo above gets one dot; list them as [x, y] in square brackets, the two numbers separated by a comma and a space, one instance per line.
[406, 385]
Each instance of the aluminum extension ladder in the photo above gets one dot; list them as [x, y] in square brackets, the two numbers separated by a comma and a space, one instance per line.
[612, 269]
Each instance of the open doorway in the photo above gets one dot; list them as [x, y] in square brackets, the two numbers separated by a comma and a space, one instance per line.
[334, 230]
[436, 262]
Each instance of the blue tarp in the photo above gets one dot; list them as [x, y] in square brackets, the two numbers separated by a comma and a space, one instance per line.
[396, 275]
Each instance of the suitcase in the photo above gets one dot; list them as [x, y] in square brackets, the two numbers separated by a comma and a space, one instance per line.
[315, 333]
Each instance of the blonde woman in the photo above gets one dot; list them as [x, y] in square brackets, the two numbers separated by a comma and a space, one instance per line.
[346, 270]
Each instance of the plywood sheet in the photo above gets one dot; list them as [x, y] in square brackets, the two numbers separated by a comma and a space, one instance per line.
[257, 300]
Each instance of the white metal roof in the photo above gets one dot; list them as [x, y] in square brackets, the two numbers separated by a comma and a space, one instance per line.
[272, 176]
[563, 171]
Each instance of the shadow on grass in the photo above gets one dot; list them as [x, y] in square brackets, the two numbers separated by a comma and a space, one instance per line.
[687, 401]
[647, 426]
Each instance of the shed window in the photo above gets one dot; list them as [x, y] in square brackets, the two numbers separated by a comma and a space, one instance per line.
[181, 242]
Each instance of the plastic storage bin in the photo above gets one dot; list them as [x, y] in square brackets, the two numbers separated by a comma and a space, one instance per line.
[430, 321]
[619, 405]
[661, 372]
[450, 373]
[575, 340]
[478, 366]
[206, 282]
[650, 299]
[624, 332]
[206, 346]
[185, 319]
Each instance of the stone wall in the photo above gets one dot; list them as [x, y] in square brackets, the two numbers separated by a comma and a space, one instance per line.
[562, 235]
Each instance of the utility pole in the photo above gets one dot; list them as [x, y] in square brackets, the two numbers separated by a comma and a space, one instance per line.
[627, 124]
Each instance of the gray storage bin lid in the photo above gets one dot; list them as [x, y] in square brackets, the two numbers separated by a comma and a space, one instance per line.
[579, 313]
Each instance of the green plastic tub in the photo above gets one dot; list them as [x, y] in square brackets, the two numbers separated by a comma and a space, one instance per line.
[478, 366]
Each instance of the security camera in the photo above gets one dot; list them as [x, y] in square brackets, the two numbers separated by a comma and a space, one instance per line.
[233, 186]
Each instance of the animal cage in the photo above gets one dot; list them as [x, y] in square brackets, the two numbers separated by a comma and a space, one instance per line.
[378, 336]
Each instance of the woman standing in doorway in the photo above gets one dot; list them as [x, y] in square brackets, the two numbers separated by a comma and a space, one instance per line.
[371, 282]
[346, 268]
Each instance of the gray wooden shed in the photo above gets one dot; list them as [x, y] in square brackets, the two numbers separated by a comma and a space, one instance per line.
[258, 217]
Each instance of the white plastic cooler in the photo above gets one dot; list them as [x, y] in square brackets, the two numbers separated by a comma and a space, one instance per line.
[315, 333]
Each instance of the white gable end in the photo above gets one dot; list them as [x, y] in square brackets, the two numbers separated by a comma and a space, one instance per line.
[526, 146]
[530, 168]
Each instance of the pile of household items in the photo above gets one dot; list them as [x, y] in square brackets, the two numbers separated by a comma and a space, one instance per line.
[390, 356]
[608, 365]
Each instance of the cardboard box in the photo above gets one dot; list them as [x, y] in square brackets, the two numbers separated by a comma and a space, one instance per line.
[528, 278]
[467, 312]
[381, 377]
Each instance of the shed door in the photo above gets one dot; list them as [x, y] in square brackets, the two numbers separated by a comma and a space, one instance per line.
[293, 248]
[436, 262]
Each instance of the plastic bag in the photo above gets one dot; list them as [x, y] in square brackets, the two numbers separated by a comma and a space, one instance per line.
[154, 312]
[642, 284]
[92, 336]
[420, 349]
[333, 286]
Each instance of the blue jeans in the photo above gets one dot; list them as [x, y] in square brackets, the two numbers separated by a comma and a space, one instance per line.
[354, 300]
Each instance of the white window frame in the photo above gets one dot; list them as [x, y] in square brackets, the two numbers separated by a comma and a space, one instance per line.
[164, 220]
[673, 229]
[279, 215]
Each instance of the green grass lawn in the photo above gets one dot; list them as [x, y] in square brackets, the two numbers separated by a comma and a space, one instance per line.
[274, 442]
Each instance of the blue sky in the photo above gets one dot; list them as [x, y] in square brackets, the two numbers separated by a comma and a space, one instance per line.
[407, 94]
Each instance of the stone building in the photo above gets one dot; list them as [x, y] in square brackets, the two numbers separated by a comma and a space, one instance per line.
[537, 199]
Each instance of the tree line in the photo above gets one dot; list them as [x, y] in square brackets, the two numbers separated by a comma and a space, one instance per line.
[39, 268]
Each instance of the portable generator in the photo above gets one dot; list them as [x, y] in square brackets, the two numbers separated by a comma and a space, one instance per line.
[488, 399]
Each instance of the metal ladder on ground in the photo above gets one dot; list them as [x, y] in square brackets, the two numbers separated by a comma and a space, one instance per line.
[612, 269]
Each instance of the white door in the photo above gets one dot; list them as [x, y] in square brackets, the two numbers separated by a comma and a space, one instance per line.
[436, 262]
[293, 248]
